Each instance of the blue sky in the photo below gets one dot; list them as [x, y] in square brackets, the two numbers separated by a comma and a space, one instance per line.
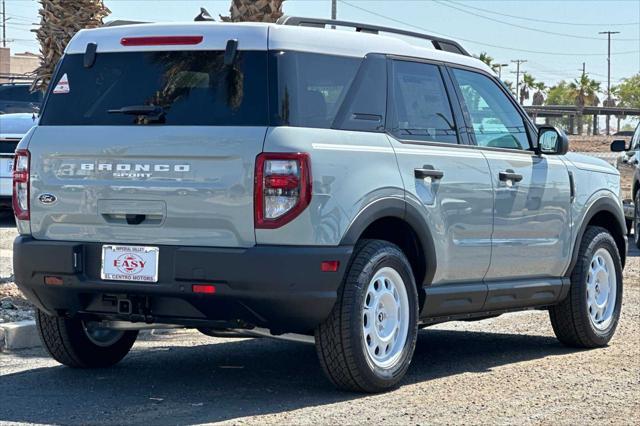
[506, 29]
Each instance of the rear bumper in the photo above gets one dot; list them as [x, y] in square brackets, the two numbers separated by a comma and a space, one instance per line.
[276, 287]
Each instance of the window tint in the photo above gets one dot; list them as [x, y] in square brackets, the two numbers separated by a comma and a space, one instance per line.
[496, 121]
[193, 88]
[366, 103]
[311, 87]
[421, 108]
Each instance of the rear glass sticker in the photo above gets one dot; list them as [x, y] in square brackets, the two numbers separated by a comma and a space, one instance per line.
[62, 86]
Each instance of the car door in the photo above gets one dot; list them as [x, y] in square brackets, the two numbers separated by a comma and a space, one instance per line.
[447, 180]
[532, 224]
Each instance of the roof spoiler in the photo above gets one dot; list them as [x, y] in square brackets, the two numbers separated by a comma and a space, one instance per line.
[120, 22]
[438, 43]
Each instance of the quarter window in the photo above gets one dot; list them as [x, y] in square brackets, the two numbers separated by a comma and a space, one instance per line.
[421, 108]
[496, 121]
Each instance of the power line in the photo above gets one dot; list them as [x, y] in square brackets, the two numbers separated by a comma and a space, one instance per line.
[544, 20]
[442, 3]
[518, 62]
[388, 18]
[609, 34]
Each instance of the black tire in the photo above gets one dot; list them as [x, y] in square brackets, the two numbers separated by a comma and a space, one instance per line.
[340, 339]
[636, 220]
[67, 342]
[570, 319]
[629, 223]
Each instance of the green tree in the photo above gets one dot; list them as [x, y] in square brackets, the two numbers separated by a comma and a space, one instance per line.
[484, 57]
[628, 92]
[584, 91]
[538, 97]
[528, 83]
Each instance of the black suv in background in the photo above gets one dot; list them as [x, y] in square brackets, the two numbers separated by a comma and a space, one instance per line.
[17, 97]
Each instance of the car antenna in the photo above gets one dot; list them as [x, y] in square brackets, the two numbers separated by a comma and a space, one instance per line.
[204, 16]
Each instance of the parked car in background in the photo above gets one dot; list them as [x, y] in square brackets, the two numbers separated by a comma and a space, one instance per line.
[12, 128]
[17, 98]
[629, 166]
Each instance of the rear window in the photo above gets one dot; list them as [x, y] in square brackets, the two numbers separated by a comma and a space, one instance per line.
[190, 88]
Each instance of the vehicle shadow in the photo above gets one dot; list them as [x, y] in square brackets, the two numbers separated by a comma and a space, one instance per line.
[226, 381]
[7, 220]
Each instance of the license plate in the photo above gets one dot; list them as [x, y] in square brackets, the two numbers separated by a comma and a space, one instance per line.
[129, 263]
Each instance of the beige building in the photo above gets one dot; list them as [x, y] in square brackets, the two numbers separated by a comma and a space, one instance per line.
[17, 65]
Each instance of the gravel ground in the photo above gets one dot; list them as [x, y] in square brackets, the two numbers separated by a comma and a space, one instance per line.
[506, 370]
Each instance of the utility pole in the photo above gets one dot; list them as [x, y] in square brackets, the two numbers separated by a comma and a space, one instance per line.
[609, 34]
[500, 66]
[4, 24]
[334, 9]
[518, 62]
[584, 68]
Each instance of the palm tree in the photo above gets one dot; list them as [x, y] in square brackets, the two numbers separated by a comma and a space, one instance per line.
[254, 11]
[538, 97]
[584, 91]
[528, 83]
[60, 20]
[484, 57]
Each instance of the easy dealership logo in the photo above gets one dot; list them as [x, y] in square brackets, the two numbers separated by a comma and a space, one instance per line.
[122, 170]
[129, 264]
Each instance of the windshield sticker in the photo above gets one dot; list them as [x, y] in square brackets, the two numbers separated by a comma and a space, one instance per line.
[62, 86]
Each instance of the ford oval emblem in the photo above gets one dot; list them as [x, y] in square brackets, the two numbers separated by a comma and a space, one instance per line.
[47, 199]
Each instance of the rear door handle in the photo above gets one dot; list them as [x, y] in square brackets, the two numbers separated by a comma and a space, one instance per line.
[510, 175]
[428, 173]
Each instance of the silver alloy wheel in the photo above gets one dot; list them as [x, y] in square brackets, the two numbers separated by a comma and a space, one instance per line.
[601, 289]
[385, 318]
[100, 336]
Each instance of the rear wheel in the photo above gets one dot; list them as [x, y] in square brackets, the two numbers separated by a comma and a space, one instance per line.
[588, 317]
[80, 345]
[368, 341]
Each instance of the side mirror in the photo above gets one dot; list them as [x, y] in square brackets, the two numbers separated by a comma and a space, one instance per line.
[552, 141]
[619, 145]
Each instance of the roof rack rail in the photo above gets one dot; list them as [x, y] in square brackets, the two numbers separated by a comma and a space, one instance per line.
[438, 43]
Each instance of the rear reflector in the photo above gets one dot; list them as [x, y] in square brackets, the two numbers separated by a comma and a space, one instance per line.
[204, 288]
[49, 280]
[161, 41]
[329, 266]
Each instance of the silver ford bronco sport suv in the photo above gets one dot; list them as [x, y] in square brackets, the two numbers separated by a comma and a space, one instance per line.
[344, 187]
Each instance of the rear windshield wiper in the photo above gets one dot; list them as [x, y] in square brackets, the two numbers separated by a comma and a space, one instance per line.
[151, 113]
[138, 110]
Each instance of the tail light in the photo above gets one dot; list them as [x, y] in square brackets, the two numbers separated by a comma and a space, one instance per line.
[282, 188]
[21, 165]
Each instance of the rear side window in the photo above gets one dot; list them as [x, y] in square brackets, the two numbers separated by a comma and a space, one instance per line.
[421, 108]
[496, 121]
[310, 87]
[192, 88]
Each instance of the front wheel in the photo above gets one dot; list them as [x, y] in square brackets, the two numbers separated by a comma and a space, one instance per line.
[77, 344]
[588, 317]
[367, 343]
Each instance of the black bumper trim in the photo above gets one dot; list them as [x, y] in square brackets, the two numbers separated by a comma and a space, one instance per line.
[276, 287]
